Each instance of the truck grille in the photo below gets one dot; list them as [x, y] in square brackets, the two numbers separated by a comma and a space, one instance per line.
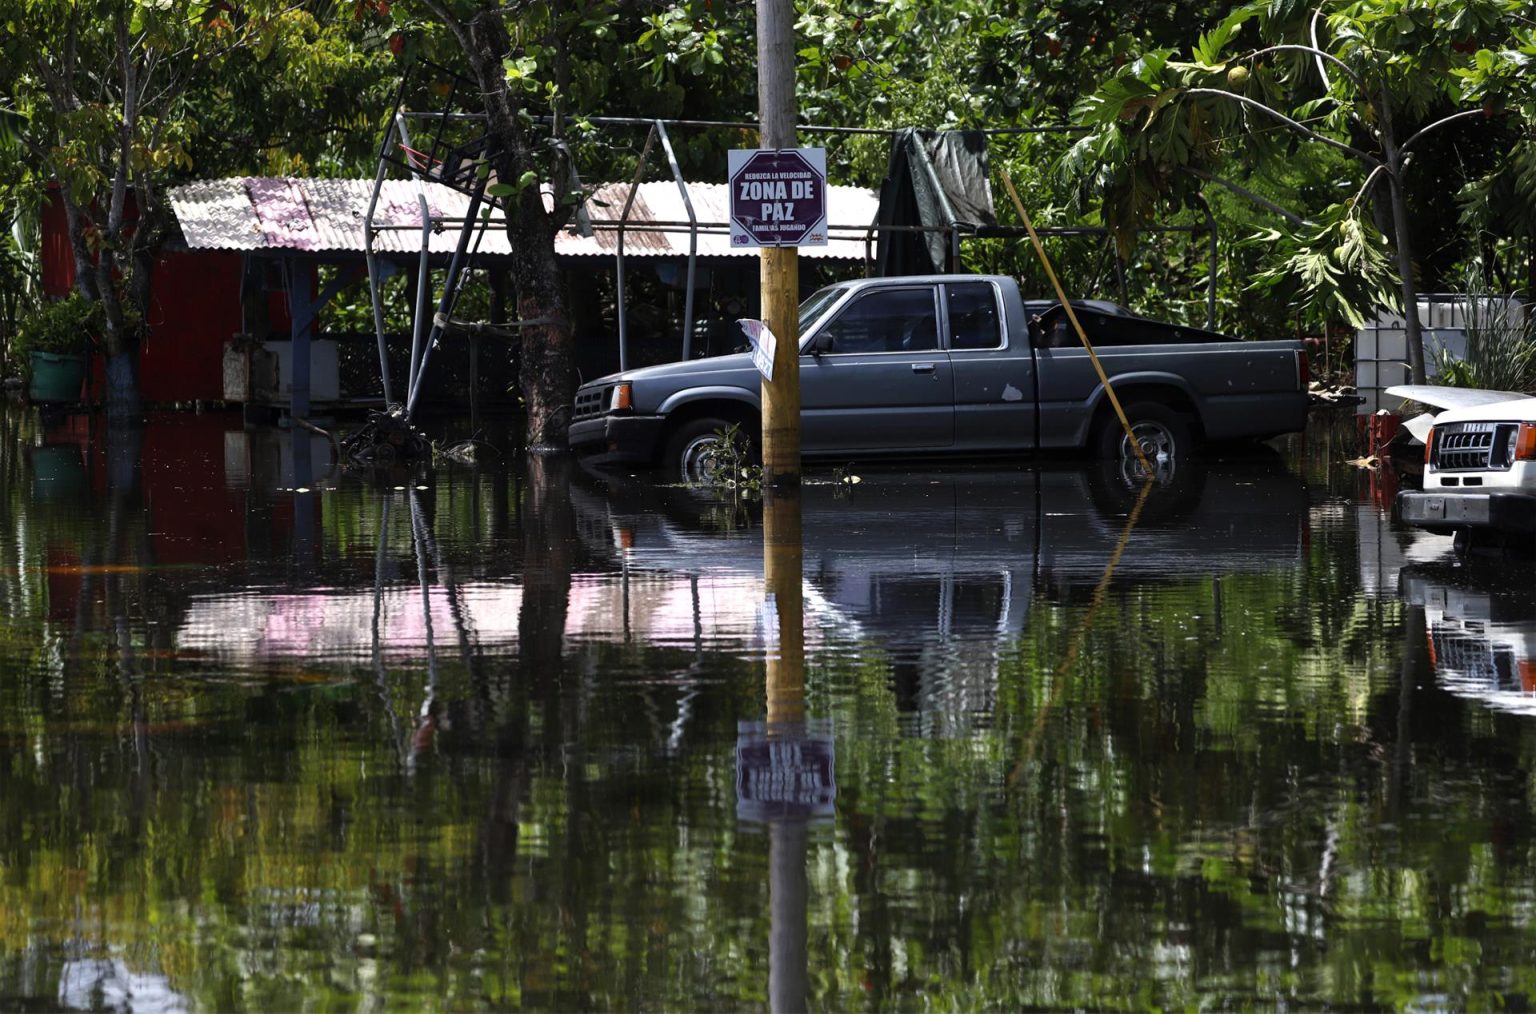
[1472, 446]
[1473, 658]
[590, 402]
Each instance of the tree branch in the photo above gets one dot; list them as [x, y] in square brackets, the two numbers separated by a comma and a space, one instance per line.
[1317, 47]
[1244, 192]
[440, 11]
[1318, 53]
[1465, 114]
[1370, 181]
[1305, 131]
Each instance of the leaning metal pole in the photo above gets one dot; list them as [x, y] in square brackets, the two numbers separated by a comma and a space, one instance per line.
[693, 237]
[629, 203]
[375, 278]
[472, 224]
[424, 269]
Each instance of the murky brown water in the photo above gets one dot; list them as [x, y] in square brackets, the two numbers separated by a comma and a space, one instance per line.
[275, 737]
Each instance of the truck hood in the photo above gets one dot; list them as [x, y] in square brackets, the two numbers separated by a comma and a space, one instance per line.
[1514, 410]
[715, 365]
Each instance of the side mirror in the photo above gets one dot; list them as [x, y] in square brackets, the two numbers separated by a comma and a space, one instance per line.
[821, 343]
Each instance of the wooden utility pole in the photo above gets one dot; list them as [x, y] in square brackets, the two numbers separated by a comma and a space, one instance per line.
[782, 564]
[780, 266]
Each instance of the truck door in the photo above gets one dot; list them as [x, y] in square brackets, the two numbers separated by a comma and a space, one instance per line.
[994, 384]
[882, 382]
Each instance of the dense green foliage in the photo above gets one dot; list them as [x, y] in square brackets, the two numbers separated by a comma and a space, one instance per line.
[1182, 104]
[113, 102]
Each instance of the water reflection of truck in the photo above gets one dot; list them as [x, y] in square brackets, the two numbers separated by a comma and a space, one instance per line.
[940, 570]
[1480, 630]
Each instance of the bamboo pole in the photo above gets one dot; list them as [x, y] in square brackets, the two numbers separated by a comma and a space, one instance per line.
[1082, 335]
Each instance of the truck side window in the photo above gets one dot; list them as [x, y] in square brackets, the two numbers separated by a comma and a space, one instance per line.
[973, 317]
[888, 320]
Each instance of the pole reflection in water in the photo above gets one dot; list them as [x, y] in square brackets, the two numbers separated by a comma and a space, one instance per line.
[787, 889]
[784, 766]
[305, 501]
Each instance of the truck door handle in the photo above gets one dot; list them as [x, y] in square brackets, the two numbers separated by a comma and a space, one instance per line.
[922, 367]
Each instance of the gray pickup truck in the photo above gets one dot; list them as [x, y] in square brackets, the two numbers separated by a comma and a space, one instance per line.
[955, 364]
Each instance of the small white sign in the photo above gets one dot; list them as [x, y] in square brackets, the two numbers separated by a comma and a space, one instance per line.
[764, 345]
[768, 621]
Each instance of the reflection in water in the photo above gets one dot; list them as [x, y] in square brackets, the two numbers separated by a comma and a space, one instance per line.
[1476, 623]
[784, 732]
[517, 739]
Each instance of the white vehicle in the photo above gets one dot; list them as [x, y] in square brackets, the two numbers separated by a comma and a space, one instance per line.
[1479, 467]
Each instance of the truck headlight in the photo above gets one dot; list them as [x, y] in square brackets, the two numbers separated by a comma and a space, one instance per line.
[621, 398]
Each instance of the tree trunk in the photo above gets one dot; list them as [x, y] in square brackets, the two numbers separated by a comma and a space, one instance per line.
[547, 374]
[122, 376]
[85, 277]
[1401, 233]
[95, 278]
[1411, 326]
[547, 363]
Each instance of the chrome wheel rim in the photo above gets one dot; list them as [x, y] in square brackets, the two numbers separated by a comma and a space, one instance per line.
[698, 462]
[1157, 444]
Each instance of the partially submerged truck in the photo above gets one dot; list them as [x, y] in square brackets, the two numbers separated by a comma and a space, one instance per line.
[956, 364]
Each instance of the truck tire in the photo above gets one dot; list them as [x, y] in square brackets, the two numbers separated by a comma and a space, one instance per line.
[1163, 433]
[694, 449]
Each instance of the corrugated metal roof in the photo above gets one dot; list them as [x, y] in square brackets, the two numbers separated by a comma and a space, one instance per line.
[284, 213]
[288, 213]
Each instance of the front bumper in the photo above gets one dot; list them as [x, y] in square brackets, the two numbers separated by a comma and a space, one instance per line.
[1512, 513]
[617, 439]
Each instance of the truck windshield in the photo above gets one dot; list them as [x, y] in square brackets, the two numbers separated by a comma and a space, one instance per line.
[816, 305]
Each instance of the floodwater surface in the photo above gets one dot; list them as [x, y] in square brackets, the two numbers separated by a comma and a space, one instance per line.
[276, 736]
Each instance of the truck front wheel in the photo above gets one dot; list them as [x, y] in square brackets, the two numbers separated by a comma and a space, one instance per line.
[707, 450]
[1162, 434]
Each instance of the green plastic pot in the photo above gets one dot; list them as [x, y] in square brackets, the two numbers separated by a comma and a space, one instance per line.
[56, 377]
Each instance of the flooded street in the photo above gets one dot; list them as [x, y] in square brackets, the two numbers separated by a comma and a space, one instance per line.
[275, 736]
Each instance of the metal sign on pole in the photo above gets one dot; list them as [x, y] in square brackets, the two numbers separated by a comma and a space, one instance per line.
[778, 197]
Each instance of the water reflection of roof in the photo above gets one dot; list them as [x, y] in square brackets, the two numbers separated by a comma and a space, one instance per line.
[659, 609]
[291, 213]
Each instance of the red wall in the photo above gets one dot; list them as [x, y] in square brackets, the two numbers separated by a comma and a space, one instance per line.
[194, 308]
[58, 261]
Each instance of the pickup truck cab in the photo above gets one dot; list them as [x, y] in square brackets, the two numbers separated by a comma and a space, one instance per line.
[955, 364]
[1479, 475]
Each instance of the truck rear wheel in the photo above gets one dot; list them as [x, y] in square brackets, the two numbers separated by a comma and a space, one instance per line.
[1162, 434]
[699, 451]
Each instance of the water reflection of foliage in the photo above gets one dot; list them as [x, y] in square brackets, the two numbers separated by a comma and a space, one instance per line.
[1219, 804]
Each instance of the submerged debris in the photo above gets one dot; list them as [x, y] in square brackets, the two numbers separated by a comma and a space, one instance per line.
[467, 452]
[386, 436]
[1320, 393]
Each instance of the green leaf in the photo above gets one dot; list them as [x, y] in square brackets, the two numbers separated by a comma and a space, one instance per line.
[1207, 51]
